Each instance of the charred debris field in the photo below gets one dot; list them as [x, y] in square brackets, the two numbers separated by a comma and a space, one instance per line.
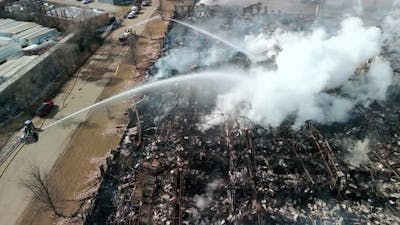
[176, 165]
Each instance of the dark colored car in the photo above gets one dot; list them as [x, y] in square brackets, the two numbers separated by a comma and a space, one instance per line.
[146, 3]
[44, 108]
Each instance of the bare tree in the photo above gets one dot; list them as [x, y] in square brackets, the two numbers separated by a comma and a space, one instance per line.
[43, 189]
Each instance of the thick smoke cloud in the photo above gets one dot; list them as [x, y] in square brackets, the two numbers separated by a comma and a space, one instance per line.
[314, 77]
[298, 71]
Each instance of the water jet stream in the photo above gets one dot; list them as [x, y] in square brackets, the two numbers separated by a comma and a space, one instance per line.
[145, 21]
[208, 77]
[213, 36]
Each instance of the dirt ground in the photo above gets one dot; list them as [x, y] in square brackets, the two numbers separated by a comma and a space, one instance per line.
[78, 166]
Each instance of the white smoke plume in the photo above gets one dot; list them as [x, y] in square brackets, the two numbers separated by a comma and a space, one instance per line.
[358, 7]
[358, 154]
[203, 201]
[261, 47]
[314, 79]
[194, 49]
[391, 37]
[226, 2]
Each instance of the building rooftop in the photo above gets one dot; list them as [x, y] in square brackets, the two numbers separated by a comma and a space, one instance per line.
[4, 21]
[5, 41]
[20, 28]
[11, 67]
[38, 32]
[9, 24]
[17, 29]
[27, 32]
[13, 36]
[74, 13]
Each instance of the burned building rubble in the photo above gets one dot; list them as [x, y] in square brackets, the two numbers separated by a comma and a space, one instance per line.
[168, 171]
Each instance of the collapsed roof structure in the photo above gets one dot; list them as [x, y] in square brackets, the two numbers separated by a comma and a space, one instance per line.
[168, 171]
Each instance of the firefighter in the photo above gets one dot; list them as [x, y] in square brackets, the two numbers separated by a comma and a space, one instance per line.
[30, 130]
[127, 36]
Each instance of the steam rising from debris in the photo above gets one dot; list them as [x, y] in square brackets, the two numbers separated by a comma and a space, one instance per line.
[314, 78]
[359, 153]
[202, 201]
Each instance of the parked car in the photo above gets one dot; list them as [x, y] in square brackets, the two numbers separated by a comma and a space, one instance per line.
[135, 8]
[115, 25]
[127, 36]
[86, 1]
[146, 3]
[44, 108]
[131, 14]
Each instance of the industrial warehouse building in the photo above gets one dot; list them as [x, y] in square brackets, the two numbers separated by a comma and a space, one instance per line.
[15, 37]
[68, 17]
[37, 59]
[118, 2]
[8, 48]
[28, 61]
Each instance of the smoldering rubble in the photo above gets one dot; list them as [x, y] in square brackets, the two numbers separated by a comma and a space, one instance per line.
[166, 171]
[176, 165]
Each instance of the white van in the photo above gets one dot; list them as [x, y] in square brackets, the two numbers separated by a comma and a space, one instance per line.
[134, 8]
[131, 14]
